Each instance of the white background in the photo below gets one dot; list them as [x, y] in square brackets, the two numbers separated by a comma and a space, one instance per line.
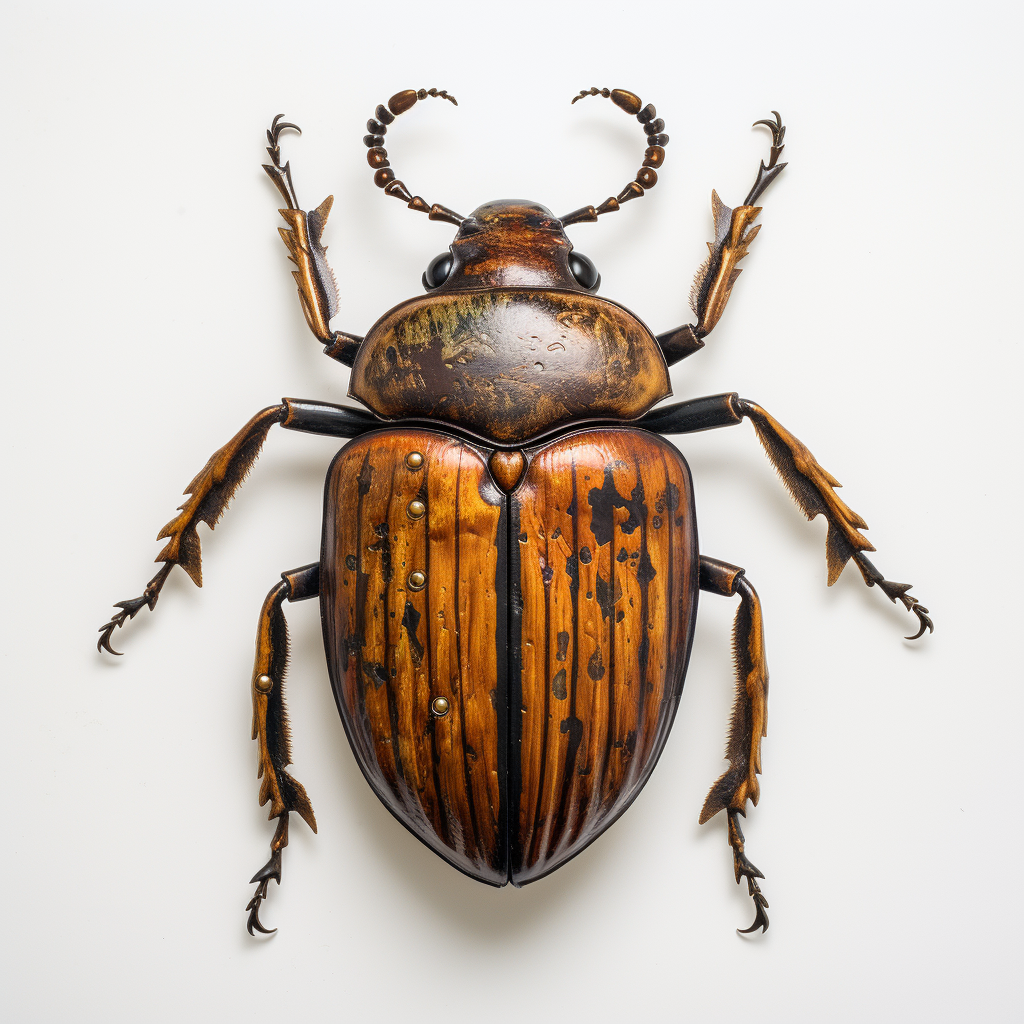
[148, 311]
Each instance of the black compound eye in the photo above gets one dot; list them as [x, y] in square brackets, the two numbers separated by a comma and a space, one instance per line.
[437, 272]
[584, 271]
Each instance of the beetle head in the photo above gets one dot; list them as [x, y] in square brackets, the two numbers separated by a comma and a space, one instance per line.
[511, 242]
[508, 243]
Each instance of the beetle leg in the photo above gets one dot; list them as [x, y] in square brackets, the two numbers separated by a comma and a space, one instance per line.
[318, 289]
[812, 486]
[212, 490]
[209, 494]
[270, 727]
[734, 231]
[738, 784]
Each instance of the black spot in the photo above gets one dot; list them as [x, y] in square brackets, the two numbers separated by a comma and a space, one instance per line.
[391, 355]
[622, 556]
[558, 685]
[365, 476]
[645, 571]
[411, 623]
[572, 570]
[563, 646]
[631, 741]
[376, 673]
[546, 573]
[350, 563]
[605, 597]
[383, 546]
[619, 616]
[595, 668]
[574, 727]
[522, 538]
[656, 522]
[557, 533]
[585, 556]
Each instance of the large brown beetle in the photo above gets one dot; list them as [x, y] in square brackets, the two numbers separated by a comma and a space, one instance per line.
[509, 570]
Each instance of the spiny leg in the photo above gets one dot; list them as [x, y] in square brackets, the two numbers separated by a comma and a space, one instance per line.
[212, 490]
[209, 494]
[270, 728]
[811, 485]
[734, 231]
[749, 723]
[318, 289]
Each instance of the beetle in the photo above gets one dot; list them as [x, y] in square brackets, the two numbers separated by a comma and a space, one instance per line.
[509, 568]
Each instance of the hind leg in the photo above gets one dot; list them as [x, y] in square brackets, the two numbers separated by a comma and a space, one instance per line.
[270, 727]
[749, 722]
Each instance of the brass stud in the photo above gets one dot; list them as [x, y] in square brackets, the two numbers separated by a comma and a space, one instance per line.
[440, 706]
[264, 684]
[417, 580]
[417, 510]
[414, 460]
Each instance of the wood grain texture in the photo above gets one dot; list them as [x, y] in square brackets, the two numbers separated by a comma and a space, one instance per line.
[604, 577]
[392, 649]
[510, 364]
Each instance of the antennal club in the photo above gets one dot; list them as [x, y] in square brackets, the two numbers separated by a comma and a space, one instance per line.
[377, 155]
[654, 155]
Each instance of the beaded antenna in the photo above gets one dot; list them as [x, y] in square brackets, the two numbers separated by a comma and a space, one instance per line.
[384, 176]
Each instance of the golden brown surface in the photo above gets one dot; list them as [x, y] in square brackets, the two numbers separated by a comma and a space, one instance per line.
[605, 555]
[510, 364]
[393, 649]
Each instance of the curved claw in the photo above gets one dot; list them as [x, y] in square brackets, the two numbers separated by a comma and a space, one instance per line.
[778, 129]
[253, 906]
[277, 126]
[107, 631]
[760, 904]
[925, 619]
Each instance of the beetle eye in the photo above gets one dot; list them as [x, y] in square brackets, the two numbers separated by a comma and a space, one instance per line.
[437, 272]
[584, 271]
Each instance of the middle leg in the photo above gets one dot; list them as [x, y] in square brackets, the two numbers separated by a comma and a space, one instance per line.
[812, 486]
[270, 727]
[738, 784]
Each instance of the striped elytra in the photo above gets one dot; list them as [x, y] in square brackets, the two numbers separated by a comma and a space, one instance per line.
[571, 600]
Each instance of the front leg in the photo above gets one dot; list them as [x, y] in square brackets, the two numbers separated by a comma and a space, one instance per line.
[734, 231]
[812, 486]
[318, 290]
[211, 491]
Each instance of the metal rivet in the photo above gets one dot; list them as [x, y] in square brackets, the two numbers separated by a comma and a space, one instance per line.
[417, 580]
[417, 510]
[439, 705]
[414, 460]
[264, 684]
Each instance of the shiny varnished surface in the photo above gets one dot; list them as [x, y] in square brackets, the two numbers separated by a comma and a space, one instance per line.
[510, 364]
[395, 643]
[604, 577]
[510, 243]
